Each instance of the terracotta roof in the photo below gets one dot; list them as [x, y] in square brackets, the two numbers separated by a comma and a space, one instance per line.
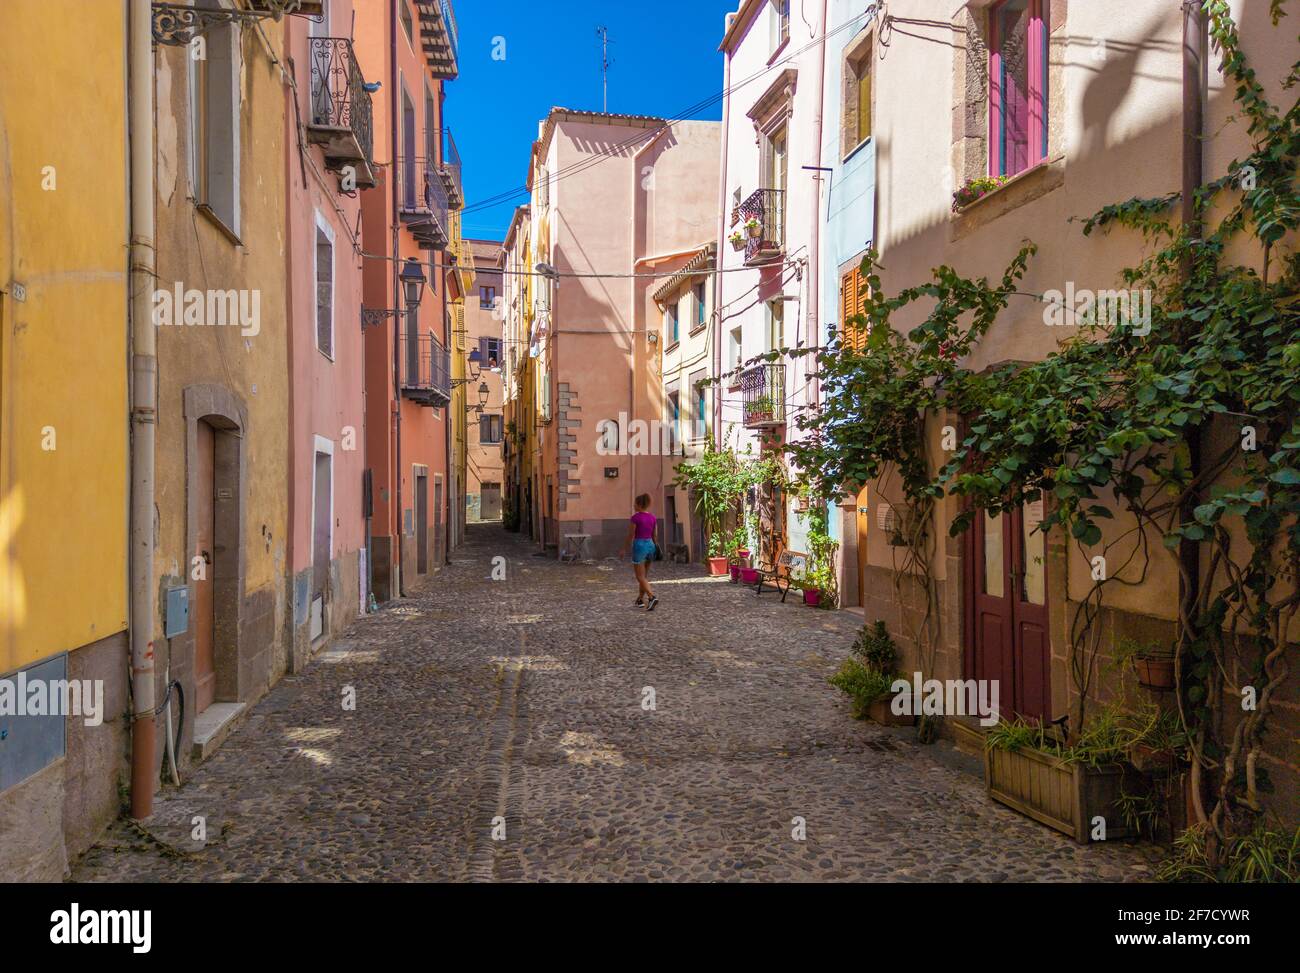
[703, 262]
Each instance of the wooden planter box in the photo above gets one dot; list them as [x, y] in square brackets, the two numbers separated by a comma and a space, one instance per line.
[1061, 795]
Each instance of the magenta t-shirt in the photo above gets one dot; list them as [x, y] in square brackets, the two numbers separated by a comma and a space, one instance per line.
[645, 525]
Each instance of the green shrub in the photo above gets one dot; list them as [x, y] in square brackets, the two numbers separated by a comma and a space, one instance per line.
[863, 684]
[1263, 855]
[876, 649]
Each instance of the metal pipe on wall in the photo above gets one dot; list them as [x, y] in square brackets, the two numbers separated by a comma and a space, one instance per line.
[144, 403]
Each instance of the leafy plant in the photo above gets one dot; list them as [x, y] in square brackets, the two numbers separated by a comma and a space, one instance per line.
[1261, 855]
[875, 648]
[863, 684]
[975, 189]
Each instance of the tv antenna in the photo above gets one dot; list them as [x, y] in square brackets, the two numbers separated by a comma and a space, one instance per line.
[605, 63]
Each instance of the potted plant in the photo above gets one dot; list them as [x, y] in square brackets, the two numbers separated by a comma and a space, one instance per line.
[976, 189]
[737, 240]
[748, 575]
[1069, 787]
[1153, 663]
[717, 558]
[754, 227]
[868, 677]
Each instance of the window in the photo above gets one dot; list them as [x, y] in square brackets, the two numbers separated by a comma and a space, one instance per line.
[775, 324]
[1018, 88]
[734, 345]
[404, 11]
[670, 323]
[674, 412]
[698, 290]
[324, 287]
[701, 410]
[490, 351]
[489, 430]
[487, 297]
[855, 124]
[853, 301]
[780, 14]
[214, 124]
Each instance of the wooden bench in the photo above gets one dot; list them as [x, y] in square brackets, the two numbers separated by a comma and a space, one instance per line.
[778, 575]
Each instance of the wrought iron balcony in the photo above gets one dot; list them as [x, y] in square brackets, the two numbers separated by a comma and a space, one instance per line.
[762, 390]
[438, 32]
[451, 171]
[763, 215]
[426, 368]
[422, 202]
[340, 120]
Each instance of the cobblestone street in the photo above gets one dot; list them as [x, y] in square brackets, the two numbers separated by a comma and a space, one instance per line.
[522, 700]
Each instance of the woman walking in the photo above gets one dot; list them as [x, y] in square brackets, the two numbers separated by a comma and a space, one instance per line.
[640, 538]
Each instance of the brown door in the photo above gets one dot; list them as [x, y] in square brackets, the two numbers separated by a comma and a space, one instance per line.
[864, 524]
[1009, 610]
[205, 673]
[437, 522]
[421, 524]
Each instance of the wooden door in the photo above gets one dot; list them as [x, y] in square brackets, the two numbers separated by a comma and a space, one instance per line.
[863, 526]
[421, 523]
[439, 551]
[205, 672]
[321, 539]
[1009, 613]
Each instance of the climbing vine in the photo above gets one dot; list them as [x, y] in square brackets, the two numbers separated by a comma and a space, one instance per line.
[1170, 437]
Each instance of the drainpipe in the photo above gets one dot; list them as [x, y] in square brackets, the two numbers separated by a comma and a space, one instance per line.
[723, 210]
[812, 333]
[452, 406]
[144, 402]
[395, 590]
[1194, 44]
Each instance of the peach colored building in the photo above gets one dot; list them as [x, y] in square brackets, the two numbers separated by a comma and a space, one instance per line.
[410, 47]
[484, 473]
[600, 237]
[325, 176]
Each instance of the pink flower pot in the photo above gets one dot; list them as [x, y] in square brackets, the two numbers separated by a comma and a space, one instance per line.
[735, 573]
[812, 597]
[749, 575]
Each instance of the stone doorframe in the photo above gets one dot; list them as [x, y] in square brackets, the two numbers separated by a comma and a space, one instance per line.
[225, 413]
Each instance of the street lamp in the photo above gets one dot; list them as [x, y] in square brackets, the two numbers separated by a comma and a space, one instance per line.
[412, 282]
[483, 393]
[547, 271]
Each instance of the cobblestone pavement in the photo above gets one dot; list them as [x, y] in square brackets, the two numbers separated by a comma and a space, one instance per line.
[522, 700]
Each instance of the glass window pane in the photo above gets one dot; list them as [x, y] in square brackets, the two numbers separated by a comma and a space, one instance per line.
[1013, 35]
[994, 568]
[1033, 548]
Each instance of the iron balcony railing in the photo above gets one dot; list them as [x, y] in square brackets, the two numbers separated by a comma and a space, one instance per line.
[341, 115]
[762, 390]
[763, 219]
[422, 202]
[451, 171]
[426, 368]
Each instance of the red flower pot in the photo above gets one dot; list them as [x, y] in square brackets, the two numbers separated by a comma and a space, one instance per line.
[718, 566]
[749, 576]
[812, 597]
[735, 573]
[1156, 672]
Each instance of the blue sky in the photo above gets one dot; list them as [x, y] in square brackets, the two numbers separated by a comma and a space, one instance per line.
[663, 63]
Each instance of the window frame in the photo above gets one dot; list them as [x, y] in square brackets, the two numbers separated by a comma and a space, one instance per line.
[699, 292]
[323, 226]
[1038, 31]
[672, 323]
[856, 66]
[486, 302]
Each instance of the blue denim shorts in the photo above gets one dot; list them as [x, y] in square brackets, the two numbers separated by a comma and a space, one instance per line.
[643, 550]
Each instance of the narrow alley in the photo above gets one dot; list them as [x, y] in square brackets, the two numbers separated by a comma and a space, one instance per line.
[529, 700]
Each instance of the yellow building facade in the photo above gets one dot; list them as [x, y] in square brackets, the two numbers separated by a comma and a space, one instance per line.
[63, 419]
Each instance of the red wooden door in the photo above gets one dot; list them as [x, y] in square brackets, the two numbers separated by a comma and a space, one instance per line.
[1009, 610]
[205, 673]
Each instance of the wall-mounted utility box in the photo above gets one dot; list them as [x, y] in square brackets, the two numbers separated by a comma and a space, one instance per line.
[176, 612]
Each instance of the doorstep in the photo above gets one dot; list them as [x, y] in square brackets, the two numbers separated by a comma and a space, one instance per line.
[213, 725]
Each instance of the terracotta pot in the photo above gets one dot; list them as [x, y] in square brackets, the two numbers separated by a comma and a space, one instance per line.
[1155, 672]
[749, 576]
[755, 231]
[812, 597]
[718, 566]
[1151, 761]
[881, 711]
[738, 245]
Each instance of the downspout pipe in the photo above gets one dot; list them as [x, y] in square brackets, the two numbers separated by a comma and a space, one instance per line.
[144, 404]
[812, 332]
[718, 275]
[398, 527]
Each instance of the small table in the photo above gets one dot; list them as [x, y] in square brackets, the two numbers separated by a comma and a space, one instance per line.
[575, 548]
